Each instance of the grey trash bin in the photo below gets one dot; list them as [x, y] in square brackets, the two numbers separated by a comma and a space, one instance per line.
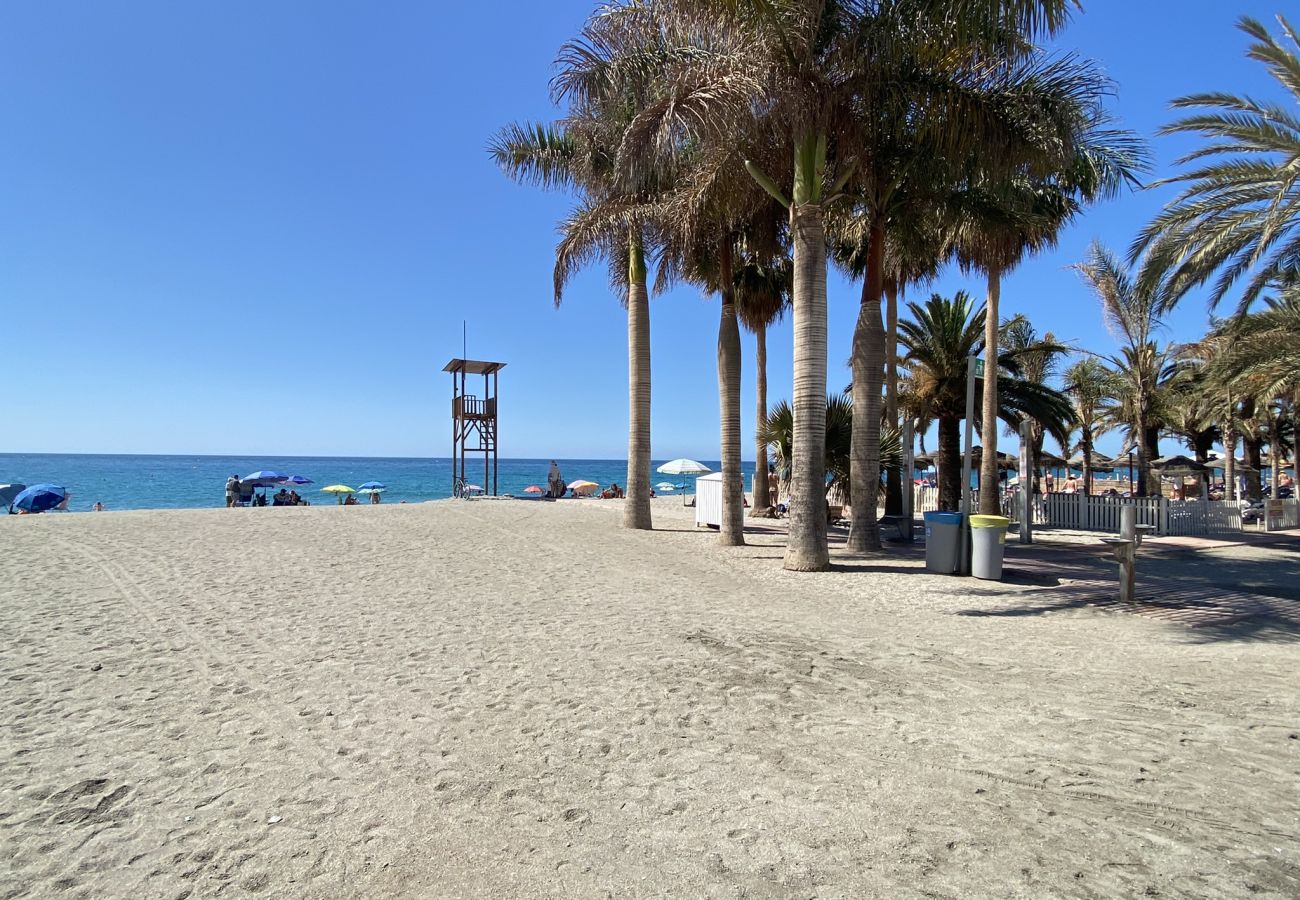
[988, 542]
[942, 541]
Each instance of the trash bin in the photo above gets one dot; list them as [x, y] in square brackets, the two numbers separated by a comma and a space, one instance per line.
[942, 541]
[988, 541]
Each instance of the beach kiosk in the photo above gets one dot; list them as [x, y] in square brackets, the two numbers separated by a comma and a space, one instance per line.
[708, 501]
[473, 422]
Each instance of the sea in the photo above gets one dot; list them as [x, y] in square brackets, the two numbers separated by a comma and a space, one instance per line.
[195, 482]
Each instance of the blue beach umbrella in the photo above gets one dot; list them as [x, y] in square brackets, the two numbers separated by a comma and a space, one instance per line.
[297, 479]
[40, 497]
[263, 478]
[372, 486]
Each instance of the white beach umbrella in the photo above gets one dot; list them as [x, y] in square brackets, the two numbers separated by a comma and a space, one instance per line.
[665, 486]
[684, 467]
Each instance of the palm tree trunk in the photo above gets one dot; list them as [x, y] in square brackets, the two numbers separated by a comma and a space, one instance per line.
[893, 477]
[806, 549]
[1275, 451]
[762, 494]
[948, 461]
[868, 376]
[1085, 442]
[1230, 463]
[990, 503]
[1151, 437]
[731, 531]
[1139, 440]
[636, 507]
[1251, 448]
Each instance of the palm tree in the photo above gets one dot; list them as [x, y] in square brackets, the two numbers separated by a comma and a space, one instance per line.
[762, 297]
[1132, 311]
[1088, 384]
[1012, 113]
[713, 222]
[610, 221]
[777, 430]
[938, 339]
[1257, 360]
[1005, 221]
[1238, 213]
[1037, 358]
[796, 69]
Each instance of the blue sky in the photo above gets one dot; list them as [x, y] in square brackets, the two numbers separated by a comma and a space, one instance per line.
[256, 228]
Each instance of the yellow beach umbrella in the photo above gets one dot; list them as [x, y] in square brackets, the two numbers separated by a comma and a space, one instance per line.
[339, 489]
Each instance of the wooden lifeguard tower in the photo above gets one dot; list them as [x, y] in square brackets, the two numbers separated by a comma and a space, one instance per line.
[473, 421]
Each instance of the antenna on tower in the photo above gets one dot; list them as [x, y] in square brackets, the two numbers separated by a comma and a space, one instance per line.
[464, 339]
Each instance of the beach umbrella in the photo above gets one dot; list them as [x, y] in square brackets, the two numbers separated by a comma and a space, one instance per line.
[339, 489]
[9, 491]
[665, 486]
[366, 490]
[372, 485]
[297, 479]
[533, 489]
[263, 478]
[684, 467]
[473, 488]
[40, 497]
[1177, 464]
[582, 486]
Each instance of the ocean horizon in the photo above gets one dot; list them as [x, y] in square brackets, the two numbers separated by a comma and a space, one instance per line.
[195, 481]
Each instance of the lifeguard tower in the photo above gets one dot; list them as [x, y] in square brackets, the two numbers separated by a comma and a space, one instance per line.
[473, 422]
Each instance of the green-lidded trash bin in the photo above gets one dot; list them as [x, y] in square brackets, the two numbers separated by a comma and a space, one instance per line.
[988, 536]
[942, 541]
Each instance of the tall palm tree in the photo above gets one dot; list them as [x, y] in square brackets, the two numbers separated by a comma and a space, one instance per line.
[1037, 358]
[1005, 221]
[613, 215]
[1132, 311]
[796, 69]
[1238, 213]
[938, 339]
[1011, 113]
[712, 223]
[762, 298]
[1088, 384]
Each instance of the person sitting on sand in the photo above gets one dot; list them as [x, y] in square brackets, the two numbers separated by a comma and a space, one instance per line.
[351, 501]
[294, 499]
[98, 507]
[281, 498]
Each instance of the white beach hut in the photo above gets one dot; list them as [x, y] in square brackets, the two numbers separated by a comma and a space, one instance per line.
[708, 500]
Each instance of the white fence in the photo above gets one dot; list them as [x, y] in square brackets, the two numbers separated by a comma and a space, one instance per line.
[1101, 513]
[1170, 517]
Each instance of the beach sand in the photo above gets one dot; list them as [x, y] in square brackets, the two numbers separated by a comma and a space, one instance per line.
[506, 699]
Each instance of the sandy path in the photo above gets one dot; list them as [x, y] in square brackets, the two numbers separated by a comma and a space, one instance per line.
[499, 699]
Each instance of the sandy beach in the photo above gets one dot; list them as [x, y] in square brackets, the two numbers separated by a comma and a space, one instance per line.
[507, 699]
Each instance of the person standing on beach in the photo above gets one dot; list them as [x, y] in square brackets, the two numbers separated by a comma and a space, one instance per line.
[555, 482]
[232, 490]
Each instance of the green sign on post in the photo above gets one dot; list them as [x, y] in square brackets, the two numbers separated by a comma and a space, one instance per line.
[979, 368]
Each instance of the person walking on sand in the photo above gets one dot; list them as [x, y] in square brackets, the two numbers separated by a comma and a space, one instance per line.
[374, 497]
[232, 491]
